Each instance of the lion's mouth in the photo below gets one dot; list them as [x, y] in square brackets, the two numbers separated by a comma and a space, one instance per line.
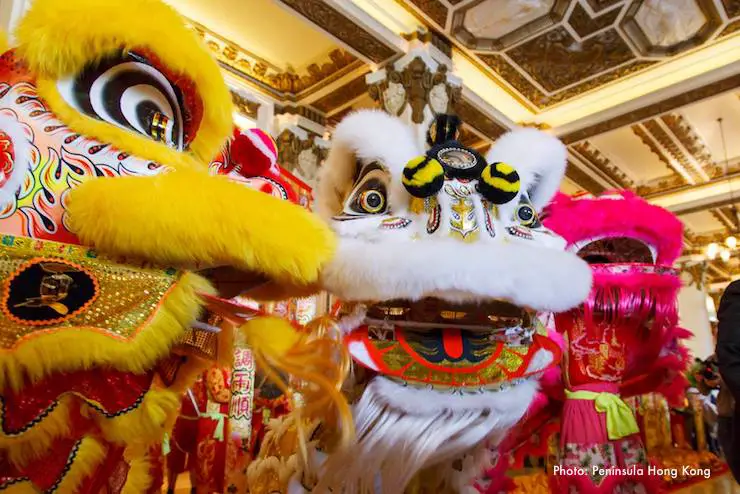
[433, 313]
[615, 250]
[434, 342]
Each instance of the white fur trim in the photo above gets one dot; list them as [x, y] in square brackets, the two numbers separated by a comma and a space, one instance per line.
[529, 276]
[402, 431]
[21, 158]
[366, 135]
[509, 404]
[539, 158]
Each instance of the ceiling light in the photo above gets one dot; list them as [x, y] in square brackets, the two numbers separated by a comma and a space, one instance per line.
[725, 255]
[731, 242]
[712, 250]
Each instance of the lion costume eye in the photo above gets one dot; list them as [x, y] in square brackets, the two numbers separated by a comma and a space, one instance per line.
[372, 201]
[369, 195]
[527, 216]
[129, 93]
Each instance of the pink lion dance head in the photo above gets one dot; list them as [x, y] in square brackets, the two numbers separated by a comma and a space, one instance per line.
[631, 246]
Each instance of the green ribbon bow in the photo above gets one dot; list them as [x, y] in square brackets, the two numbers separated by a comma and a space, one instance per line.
[620, 421]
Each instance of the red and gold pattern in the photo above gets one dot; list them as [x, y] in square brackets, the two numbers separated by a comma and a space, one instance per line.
[408, 359]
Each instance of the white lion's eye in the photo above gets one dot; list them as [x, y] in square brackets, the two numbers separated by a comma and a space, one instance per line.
[131, 94]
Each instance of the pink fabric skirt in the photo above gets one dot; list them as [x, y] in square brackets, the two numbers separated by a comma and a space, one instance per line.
[592, 463]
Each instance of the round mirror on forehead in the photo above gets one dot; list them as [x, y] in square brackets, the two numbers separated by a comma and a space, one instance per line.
[458, 161]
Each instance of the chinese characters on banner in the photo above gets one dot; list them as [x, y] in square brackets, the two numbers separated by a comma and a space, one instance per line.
[240, 418]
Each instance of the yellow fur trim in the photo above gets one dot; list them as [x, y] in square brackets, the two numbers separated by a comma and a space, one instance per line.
[271, 335]
[72, 350]
[144, 424]
[90, 454]
[59, 38]
[184, 218]
[25, 487]
[139, 476]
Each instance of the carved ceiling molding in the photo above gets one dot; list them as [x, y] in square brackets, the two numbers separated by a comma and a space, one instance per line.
[417, 87]
[583, 179]
[631, 26]
[529, 44]
[655, 109]
[599, 5]
[302, 111]
[689, 139]
[726, 216]
[341, 27]
[252, 67]
[585, 25]
[676, 156]
[593, 157]
[474, 117]
[245, 106]
[530, 28]
[342, 95]
[659, 144]
[663, 184]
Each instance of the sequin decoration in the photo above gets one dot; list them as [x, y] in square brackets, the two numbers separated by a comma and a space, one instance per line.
[128, 297]
[198, 343]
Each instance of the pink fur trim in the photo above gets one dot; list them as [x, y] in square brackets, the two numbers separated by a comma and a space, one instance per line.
[586, 218]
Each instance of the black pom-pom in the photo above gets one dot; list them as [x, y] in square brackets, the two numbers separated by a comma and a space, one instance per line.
[423, 176]
[499, 183]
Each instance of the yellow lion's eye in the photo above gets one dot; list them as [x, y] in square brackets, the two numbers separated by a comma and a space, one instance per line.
[372, 201]
[526, 215]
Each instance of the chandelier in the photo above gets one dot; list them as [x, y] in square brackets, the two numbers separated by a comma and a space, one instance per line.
[724, 252]
[714, 249]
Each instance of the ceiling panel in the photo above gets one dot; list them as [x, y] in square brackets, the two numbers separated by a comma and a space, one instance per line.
[627, 151]
[703, 117]
[701, 222]
[262, 28]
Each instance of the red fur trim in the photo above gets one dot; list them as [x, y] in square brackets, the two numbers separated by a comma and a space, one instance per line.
[633, 217]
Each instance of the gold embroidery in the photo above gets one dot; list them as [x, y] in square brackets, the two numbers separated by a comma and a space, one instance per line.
[128, 296]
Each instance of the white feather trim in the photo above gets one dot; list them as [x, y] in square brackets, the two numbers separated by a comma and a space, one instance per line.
[366, 135]
[21, 158]
[528, 276]
[539, 158]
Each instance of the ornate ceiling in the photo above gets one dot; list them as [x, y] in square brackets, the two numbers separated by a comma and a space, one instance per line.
[635, 88]
[550, 51]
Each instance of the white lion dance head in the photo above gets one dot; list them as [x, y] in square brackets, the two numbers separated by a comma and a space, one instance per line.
[445, 263]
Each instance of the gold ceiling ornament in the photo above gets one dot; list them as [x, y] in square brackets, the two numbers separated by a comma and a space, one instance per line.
[251, 66]
[474, 117]
[663, 184]
[342, 28]
[245, 106]
[415, 86]
[535, 125]
[579, 177]
[592, 156]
